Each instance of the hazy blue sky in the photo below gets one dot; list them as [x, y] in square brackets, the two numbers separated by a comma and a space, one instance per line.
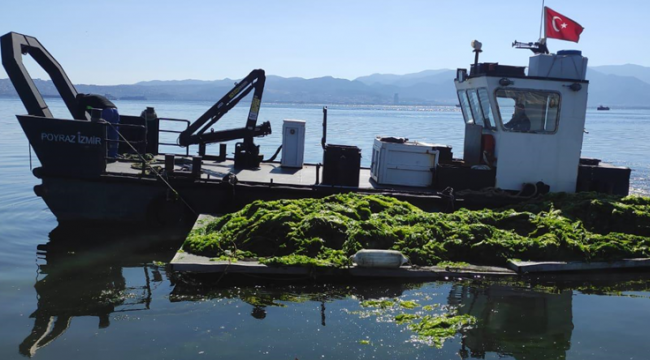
[122, 42]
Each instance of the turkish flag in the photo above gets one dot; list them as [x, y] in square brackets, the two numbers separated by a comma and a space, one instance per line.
[561, 27]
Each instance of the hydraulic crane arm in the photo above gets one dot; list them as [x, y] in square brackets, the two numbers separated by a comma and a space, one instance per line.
[197, 133]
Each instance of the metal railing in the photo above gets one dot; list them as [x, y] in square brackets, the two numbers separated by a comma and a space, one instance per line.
[187, 124]
[133, 142]
[139, 145]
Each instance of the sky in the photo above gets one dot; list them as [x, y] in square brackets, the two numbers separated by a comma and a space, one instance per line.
[123, 42]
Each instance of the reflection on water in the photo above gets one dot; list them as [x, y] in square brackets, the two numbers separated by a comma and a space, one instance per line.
[515, 321]
[85, 278]
[526, 319]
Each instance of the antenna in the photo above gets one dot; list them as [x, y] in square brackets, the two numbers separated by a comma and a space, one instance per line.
[541, 21]
[538, 47]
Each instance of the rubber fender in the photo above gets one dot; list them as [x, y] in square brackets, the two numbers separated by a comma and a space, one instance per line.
[38, 172]
[379, 258]
[38, 190]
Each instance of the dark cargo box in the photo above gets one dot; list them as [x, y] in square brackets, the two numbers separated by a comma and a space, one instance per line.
[341, 165]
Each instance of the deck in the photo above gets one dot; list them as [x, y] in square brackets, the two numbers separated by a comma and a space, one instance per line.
[267, 173]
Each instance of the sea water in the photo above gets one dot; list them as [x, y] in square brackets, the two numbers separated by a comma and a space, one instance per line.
[103, 296]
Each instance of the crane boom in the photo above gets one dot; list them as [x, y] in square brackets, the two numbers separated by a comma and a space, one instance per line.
[246, 153]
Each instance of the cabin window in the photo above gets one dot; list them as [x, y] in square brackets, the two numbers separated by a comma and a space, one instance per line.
[485, 106]
[476, 107]
[530, 111]
[464, 105]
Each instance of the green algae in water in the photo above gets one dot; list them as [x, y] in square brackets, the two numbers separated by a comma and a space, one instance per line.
[325, 232]
[364, 342]
[409, 304]
[382, 304]
[434, 330]
[429, 329]
[405, 318]
[388, 303]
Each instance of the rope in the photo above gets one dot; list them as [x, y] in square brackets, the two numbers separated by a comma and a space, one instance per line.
[145, 163]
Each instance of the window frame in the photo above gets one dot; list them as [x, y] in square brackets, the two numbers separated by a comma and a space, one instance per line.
[541, 132]
[462, 107]
[486, 120]
[471, 106]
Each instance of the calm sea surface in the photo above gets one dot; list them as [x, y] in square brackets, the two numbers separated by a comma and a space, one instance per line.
[102, 296]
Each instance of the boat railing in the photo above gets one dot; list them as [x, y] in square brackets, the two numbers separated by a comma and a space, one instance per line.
[187, 124]
[139, 145]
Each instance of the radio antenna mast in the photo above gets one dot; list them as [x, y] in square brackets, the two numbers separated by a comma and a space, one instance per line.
[541, 20]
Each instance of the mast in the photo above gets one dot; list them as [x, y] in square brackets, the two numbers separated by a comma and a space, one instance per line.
[541, 21]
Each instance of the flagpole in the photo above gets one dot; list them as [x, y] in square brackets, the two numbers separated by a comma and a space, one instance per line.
[541, 21]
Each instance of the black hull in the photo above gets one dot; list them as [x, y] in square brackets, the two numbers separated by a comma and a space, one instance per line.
[142, 201]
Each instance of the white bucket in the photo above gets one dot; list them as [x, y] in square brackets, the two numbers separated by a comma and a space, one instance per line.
[379, 258]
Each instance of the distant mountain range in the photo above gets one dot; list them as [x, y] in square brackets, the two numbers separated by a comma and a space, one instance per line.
[612, 85]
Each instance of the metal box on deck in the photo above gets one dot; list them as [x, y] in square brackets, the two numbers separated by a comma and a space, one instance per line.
[410, 163]
[341, 165]
[293, 143]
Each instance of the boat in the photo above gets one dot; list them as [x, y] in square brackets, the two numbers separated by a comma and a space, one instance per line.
[83, 180]
[601, 107]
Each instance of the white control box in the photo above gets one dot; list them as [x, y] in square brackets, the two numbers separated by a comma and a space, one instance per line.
[564, 65]
[293, 143]
[410, 163]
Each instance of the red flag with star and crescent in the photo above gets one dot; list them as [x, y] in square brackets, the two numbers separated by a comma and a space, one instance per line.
[561, 27]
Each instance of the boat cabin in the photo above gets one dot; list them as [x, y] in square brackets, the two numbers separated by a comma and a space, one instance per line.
[529, 127]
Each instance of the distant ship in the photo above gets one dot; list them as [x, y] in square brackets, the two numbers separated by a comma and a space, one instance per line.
[603, 107]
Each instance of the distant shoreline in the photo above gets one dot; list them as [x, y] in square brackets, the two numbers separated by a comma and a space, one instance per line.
[154, 101]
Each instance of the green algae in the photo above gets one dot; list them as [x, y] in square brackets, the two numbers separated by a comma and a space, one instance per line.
[325, 232]
[225, 258]
[389, 303]
[382, 304]
[409, 304]
[364, 342]
[293, 260]
[405, 318]
[452, 264]
[434, 330]
[431, 329]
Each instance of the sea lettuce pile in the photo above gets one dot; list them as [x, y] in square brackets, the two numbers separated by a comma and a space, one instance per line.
[317, 232]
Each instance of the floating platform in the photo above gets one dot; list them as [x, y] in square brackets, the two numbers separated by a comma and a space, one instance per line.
[190, 263]
[570, 266]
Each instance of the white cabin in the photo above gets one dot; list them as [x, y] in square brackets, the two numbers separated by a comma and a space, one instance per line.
[528, 127]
